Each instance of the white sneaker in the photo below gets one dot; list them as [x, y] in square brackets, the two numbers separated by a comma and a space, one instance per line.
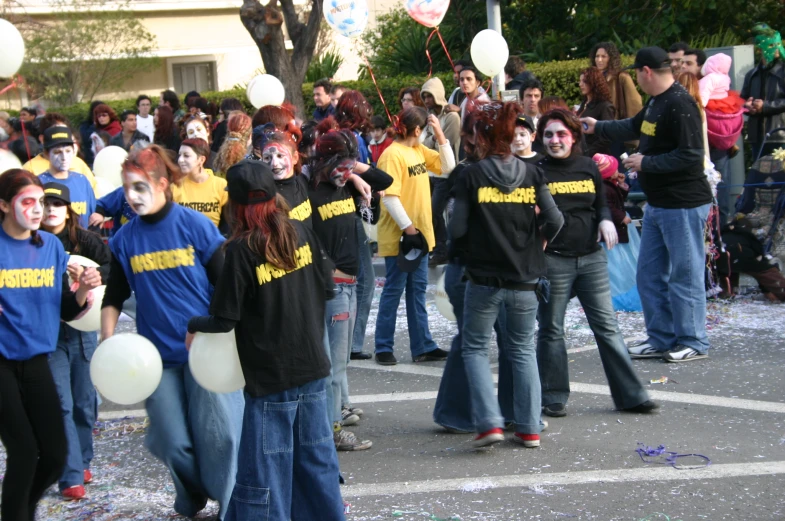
[642, 349]
[683, 354]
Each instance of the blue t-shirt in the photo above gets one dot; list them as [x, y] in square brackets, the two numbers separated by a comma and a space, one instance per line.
[82, 194]
[116, 207]
[31, 288]
[362, 148]
[164, 263]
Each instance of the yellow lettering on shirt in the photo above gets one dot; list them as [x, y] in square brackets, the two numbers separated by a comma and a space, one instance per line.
[163, 260]
[649, 128]
[80, 207]
[206, 208]
[336, 208]
[267, 272]
[572, 187]
[27, 278]
[417, 169]
[302, 211]
[491, 194]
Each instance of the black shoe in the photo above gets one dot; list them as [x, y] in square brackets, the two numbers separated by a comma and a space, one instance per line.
[646, 407]
[386, 358]
[555, 410]
[437, 355]
[360, 356]
[438, 259]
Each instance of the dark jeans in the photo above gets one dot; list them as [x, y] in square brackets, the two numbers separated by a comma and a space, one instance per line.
[453, 404]
[31, 429]
[440, 194]
[366, 283]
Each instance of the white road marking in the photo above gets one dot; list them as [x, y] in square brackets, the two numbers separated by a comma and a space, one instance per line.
[643, 474]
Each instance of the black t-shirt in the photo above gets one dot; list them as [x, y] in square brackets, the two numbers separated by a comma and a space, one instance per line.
[576, 186]
[667, 124]
[533, 160]
[334, 218]
[91, 246]
[280, 328]
[295, 191]
[457, 247]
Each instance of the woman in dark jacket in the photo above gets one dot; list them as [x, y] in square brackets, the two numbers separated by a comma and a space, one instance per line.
[596, 104]
[166, 133]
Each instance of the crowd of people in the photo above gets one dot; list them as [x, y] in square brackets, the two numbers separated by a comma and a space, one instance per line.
[257, 224]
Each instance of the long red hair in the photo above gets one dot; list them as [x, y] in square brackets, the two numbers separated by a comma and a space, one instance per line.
[165, 127]
[495, 128]
[282, 117]
[14, 181]
[267, 230]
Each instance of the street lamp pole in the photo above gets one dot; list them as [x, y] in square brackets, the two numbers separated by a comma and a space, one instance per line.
[493, 9]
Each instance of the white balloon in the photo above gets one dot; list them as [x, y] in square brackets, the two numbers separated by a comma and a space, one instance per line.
[126, 369]
[104, 186]
[347, 17]
[250, 87]
[12, 49]
[108, 164]
[443, 301]
[8, 161]
[489, 52]
[214, 362]
[90, 321]
[82, 261]
[266, 89]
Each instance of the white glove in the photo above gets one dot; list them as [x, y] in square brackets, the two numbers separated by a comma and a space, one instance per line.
[608, 234]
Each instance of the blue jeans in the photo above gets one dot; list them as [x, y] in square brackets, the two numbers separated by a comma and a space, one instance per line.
[671, 274]
[588, 277]
[339, 314]
[196, 434]
[481, 308]
[415, 284]
[366, 282]
[453, 406]
[288, 466]
[70, 365]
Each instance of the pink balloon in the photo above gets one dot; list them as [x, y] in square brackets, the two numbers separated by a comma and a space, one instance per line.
[430, 13]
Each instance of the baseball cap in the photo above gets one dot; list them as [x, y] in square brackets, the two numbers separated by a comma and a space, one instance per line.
[57, 136]
[409, 261]
[249, 176]
[57, 191]
[525, 121]
[651, 57]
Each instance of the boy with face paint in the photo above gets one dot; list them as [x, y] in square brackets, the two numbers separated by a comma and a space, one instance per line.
[59, 150]
[525, 133]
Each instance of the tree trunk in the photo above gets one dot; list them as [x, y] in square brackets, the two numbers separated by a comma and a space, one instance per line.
[265, 25]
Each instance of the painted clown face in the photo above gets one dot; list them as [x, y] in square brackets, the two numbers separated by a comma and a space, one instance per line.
[139, 193]
[557, 139]
[522, 140]
[28, 207]
[196, 130]
[280, 159]
[340, 175]
[62, 157]
[55, 212]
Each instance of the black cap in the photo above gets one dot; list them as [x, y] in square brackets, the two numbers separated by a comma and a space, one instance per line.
[651, 57]
[409, 261]
[57, 191]
[250, 176]
[525, 121]
[57, 136]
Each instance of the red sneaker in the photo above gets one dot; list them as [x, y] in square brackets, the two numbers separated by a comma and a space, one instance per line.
[531, 441]
[88, 476]
[72, 493]
[488, 438]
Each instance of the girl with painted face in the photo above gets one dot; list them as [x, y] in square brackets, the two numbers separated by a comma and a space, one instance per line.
[197, 126]
[70, 362]
[525, 132]
[578, 265]
[334, 221]
[200, 189]
[35, 295]
[171, 256]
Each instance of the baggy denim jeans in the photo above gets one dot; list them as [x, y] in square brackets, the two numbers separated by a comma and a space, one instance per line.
[453, 407]
[366, 283]
[671, 277]
[481, 308]
[588, 277]
[288, 466]
[339, 314]
[415, 284]
[70, 365]
[196, 434]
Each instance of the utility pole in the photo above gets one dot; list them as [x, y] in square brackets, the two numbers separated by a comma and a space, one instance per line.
[493, 9]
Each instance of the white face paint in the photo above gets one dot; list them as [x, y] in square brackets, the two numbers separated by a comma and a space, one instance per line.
[61, 157]
[55, 213]
[196, 130]
[557, 139]
[522, 140]
[280, 160]
[139, 193]
[28, 207]
[188, 161]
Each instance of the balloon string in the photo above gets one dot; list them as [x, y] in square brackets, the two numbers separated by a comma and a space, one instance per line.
[439, 34]
[9, 87]
[428, 52]
[378, 90]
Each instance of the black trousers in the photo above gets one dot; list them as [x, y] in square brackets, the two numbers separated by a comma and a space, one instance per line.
[440, 195]
[31, 429]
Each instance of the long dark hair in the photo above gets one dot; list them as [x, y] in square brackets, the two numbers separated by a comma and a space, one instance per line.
[164, 129]
[353, 112]
[267, 230]
[331, 148]
[614, 57]
[408, 120]
[14, 181]
[72, 225]
[598, 85]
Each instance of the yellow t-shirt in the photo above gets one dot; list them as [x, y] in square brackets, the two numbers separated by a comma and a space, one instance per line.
[39, 164]
[208, 197]
[409, 168]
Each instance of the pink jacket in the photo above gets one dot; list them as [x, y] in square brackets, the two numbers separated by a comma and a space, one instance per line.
[723, 129]
[715, 82]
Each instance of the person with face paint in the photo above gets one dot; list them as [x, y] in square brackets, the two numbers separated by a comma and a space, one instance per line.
[406, 224]
[525, 132]
[764, 92]
[115, 206]
[272, 293]
[197, 126]
[170, 257]
[331, 166]
[279, 152]
[59, 149]
[577, 263]
[200, 189]
[70, 362]
[35, 295]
